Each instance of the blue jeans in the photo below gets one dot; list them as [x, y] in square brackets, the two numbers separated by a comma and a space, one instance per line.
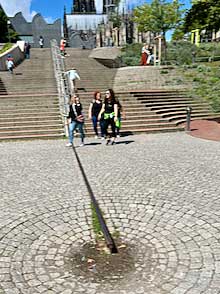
[101, 123]
[72, 127]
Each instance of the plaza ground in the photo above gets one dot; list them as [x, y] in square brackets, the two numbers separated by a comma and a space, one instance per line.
[160, 192]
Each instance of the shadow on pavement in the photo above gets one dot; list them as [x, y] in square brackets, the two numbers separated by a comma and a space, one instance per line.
[125, 142]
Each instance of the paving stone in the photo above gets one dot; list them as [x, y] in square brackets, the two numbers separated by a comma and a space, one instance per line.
[164, 201]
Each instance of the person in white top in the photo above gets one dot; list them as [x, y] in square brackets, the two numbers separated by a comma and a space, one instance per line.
[72, 76]
[10, 65]
[150, 56]
[41, 42]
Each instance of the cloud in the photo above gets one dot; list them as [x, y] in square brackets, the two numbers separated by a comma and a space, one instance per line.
[49, 19]
[13, 6]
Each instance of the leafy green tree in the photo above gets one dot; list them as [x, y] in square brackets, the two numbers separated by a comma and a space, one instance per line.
[204, 14]
[3, 26]
[158, 17]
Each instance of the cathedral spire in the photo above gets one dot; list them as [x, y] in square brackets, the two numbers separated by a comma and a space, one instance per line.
[65, 28]
[84, 6]
[76, 6]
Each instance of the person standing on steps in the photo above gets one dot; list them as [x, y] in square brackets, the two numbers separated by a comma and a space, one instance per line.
[75, 120]
[94, 110]
[144, 55]
[41, 42]
[110, 110]
[27, 48]
[150, 57]
[62, 47]
[72, 76]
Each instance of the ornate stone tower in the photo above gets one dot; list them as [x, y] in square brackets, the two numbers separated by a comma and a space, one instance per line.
[81, 24]
[83, 6]
[65, 28]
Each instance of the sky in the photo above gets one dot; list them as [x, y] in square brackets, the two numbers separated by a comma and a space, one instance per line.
[53, 9]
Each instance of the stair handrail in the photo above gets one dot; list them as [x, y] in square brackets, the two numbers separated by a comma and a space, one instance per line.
[62, 80]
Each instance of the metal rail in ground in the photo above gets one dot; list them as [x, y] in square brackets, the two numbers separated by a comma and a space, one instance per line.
[107, 235]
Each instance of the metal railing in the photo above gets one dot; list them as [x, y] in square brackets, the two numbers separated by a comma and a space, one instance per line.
[62, 83]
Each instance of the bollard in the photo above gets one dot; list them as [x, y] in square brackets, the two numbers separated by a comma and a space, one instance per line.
[188, 118]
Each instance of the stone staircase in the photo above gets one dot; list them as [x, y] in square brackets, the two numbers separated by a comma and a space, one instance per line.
[30, 107]
[146, 111]
[29, 101]
[94, 76]
[172, 105]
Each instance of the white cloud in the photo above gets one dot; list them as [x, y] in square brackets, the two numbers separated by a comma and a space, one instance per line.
[49, 19]
[11, 7]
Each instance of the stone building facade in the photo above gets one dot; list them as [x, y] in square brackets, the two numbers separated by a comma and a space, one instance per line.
[80, 26]
[31, 31]
[85, 28]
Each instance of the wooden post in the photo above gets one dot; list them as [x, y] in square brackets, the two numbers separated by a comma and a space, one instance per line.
[159, 38]
[155, 53]
[159, 50]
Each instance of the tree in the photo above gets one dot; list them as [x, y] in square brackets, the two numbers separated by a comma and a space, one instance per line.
[204, 14]
[158, 17]
[5, 29]
[3, 26]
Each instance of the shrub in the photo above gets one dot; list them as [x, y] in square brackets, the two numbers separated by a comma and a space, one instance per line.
[131, 54]
[180, 52]
[6, 47]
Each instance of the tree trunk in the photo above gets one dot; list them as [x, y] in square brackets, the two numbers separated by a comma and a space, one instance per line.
[164, 45]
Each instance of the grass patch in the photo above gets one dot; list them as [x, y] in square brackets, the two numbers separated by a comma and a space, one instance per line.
[95, 223]
[6, 47]
[164, 71]
[204, 83]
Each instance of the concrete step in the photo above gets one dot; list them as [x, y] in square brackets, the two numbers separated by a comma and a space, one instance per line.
[137, 121]
[158, 105]
[143, 130]
[31, 137]
[34, 115]
[130, 127]
[178, 109]
[169, 100]
[34, 119]
[17, 111]
[57, 131]
[31, 127]
[182, 117]
[29, 95]
[27, 122]
[25, 106]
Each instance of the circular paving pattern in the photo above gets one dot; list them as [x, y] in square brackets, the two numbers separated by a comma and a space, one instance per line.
[166, 213]
[168, 253]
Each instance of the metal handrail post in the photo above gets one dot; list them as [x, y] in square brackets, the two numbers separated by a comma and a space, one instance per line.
[188, 118]
[62, 83]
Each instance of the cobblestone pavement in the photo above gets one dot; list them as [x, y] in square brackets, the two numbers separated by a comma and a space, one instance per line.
[159, 191]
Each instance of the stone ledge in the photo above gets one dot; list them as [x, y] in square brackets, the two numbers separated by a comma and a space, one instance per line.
[108, 56]
[16, 53]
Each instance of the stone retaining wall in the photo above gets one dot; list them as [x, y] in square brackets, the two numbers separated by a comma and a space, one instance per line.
[146, 78]
[17, 54]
